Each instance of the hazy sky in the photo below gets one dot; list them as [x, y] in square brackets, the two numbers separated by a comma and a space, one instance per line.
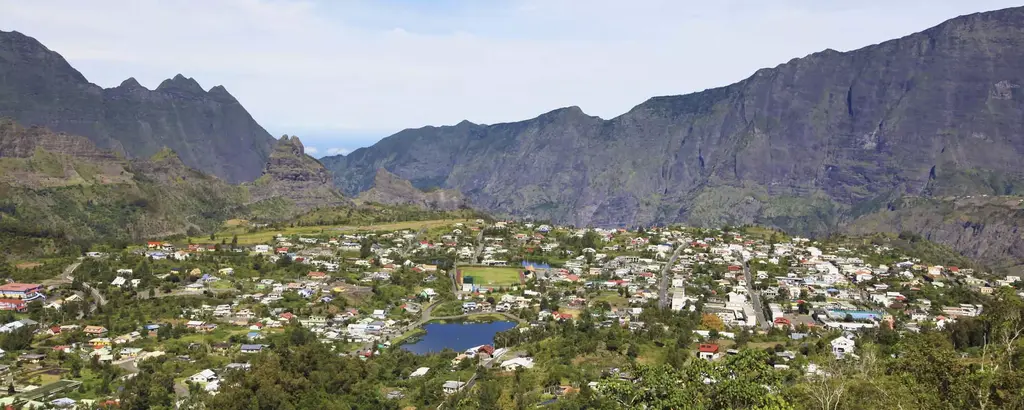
[343, 74]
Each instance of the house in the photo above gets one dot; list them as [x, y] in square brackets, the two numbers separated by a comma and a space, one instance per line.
[96, 331]
[452, 386]
[203, 377]
[708, 351]
[517, 363]
[842, 346]
[419, 372]
[251, 348]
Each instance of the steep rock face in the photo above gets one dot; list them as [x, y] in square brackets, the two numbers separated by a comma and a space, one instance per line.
[803, 146]
[389, 189]
[292, 175]
[211, 131]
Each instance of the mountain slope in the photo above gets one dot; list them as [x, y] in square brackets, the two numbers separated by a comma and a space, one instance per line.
[389, 189]
[58, 185]
[985, 228]
[211, 131]
[803, 146]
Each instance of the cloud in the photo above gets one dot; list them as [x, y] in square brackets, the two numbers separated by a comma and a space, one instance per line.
[312, 150]
[338, 151]
[364, 65]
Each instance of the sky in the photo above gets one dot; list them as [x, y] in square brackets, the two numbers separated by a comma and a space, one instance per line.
[342, 74]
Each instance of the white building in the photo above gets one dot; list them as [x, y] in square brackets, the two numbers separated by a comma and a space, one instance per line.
[842, 346]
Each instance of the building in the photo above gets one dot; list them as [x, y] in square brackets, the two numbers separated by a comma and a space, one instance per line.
[708, 351]
[16, 290]
[252, 348]
[98, 331]
[842, 346]
[517, 363]
[419, 372]
[452, 386]
[205, 376]
[17, 305]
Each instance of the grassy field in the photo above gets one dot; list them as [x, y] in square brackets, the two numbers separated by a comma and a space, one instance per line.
[236, 227]
[613, 299]
[486, 275]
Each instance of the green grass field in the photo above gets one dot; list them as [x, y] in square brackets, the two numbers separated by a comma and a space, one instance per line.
[236, 227]
[485, 275]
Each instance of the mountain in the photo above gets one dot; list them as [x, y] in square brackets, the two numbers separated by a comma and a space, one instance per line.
[210, 130]
[389, 189]
[293, 181]
[59, 185]
[805, 146]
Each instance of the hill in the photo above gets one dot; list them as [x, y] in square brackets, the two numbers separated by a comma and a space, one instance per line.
[389, 189]
[291, 182]
[60, 185]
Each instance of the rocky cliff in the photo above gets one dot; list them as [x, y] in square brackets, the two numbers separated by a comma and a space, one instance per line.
[210, 130]
[292, 176]
[389, 189]
[804, 146]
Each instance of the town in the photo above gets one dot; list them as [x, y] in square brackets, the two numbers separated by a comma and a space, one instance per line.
[203, 311]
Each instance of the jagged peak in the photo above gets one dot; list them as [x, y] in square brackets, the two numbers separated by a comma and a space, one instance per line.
[219, 92]
[131, 83]
[291, 143]
[181, 83]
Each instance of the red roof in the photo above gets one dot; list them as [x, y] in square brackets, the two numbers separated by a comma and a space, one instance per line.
[708, 348]
[572, 277]
[19, 287]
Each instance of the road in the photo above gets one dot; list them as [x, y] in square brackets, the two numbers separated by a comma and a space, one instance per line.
[69, 276]
[663, 298]
[755, 295]
[479, 246]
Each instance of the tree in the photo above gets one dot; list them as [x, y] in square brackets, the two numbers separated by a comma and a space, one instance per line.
[213, 236]
[712, 322]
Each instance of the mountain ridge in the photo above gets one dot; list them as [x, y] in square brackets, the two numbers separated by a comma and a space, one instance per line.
[803, 146]
[210, 130]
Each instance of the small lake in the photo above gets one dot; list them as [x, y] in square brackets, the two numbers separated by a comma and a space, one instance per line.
[457, 336]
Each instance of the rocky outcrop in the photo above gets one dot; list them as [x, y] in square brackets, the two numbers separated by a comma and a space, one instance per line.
[804, 146]
[389, 189]
[210, 130]
[292, 175]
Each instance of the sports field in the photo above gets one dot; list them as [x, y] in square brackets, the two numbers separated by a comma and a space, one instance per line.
[487, 275]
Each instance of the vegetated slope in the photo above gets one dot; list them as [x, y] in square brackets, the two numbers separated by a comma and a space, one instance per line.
[210, 130]
[985, 228]
[805, 146]
[389, 189]
[60, 185]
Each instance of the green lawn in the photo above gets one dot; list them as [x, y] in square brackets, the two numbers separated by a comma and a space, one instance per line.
[485, 275]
